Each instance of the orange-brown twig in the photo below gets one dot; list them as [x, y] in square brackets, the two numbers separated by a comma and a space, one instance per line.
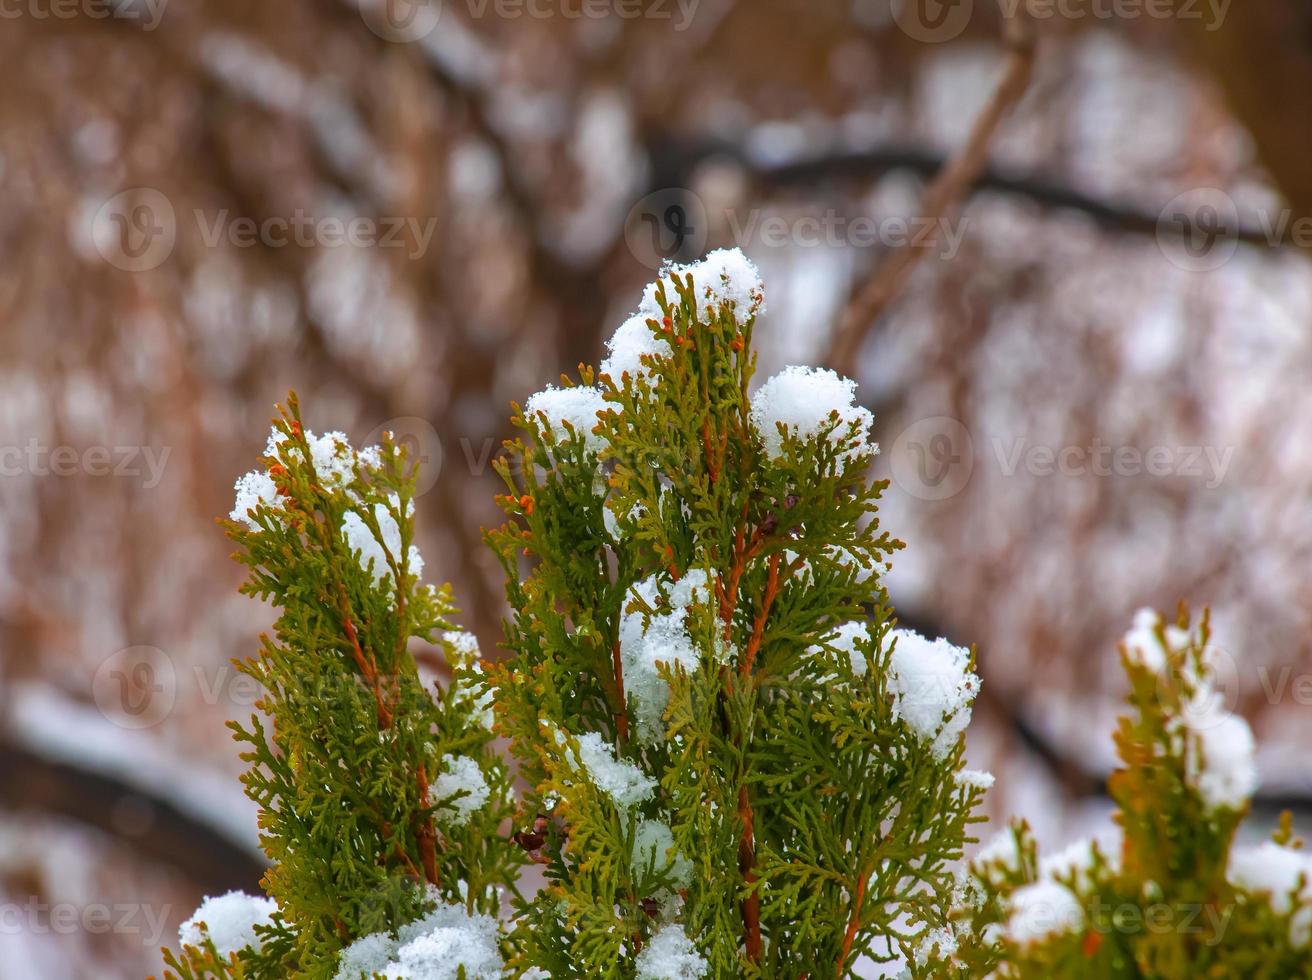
[622, 711]
[424, 833]
[751, 908]
[853, 925]
[370, 672]
[941, 202]
[758, 627]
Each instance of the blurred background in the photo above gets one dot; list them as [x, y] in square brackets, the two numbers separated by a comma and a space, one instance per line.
[1063, 248]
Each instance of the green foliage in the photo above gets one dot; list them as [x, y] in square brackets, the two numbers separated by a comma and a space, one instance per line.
[813, 823]
[1173, 897]
[736, 765]
[348, 753]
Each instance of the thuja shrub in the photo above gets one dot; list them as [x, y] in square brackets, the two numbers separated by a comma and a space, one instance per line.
[733, 762]
[1170, 893]
[737, 765]
[379, 798]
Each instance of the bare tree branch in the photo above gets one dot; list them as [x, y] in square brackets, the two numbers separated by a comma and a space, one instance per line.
[942, 200]
[171, 837]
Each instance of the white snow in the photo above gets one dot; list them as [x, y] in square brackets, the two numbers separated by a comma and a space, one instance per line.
[229, 920]
[623, 782]
[977, 778]
[460, 774]
[723, 276]
[1041, 910]
[464, 653]
[804, 400]
[1074, 861]
[845, 640]
[1274, 871]
[361, 540]
[664, 640]
[670, 955]
[1219, 755]
[463, 647]
[335, 460]
[932, 687]
[1142, 644]
[632, 340]
[653, 847]
[440, 954]
[332, 455]
[942, 940]
[253, 489]
[845, 557]
[578, 406]
[1000, 851]
[435, 947]
[366, 956]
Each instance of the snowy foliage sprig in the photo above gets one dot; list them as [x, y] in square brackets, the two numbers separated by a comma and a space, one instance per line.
[379, 796]
[738, 767]
[1171, 894]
